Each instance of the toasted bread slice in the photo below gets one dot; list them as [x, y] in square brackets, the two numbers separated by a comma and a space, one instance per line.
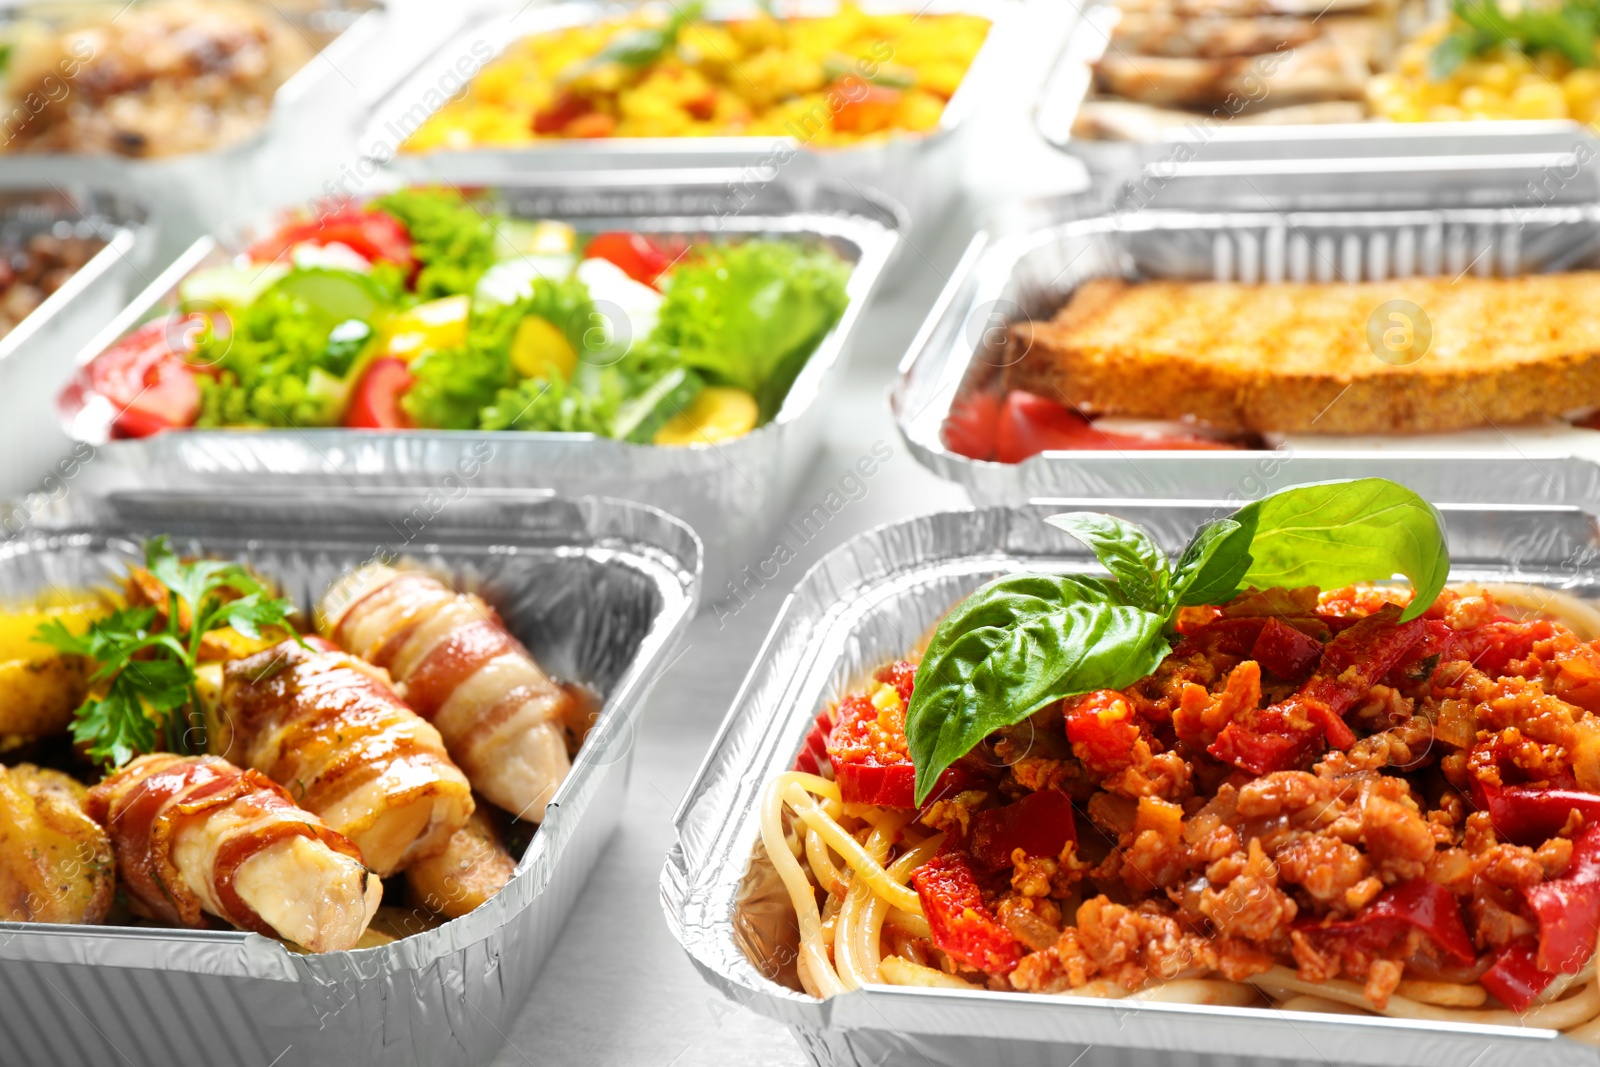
[1296, 357]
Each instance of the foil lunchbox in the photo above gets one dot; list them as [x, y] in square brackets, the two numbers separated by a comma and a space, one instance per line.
[599, 590]
[869, 602]
[309, 118]
[732, 493]
[36, 356]
[1467, 157]
[1029, 258]
[920, 172]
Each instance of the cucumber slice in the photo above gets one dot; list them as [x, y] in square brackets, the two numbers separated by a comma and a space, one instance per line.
[340, 294]
[229, 287]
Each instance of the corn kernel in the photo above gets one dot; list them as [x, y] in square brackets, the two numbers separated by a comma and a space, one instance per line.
[1541, 101]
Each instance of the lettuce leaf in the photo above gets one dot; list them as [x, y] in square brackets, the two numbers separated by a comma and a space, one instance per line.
[452, 239]
[750, 315]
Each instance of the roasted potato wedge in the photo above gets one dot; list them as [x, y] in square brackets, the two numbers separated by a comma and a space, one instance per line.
[473, 867]
[55, 861]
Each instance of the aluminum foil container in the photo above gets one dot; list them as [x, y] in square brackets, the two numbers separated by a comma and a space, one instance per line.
[731, 493]
[868, 602]
[1026, 262]
[36, 356]
[598, 590]
[1434, 160]
[188, 194]
[921, 172]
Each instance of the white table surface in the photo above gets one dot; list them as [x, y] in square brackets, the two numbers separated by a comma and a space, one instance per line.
[617, 989]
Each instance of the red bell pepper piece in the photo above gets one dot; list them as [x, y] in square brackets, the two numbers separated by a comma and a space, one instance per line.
[1225, 636]
[1285, 651]
[1515, 978]
[1352, 663]
[962, 923]
[1419, 904]
[1491, 647]
[869, 755]
[970, 427]
[374, 235]
[635, 254]
[566, 107]
[375, 405]
[1568, 908]
[146, 379]
[1040, 824]
[814, 751]
[1530, 815]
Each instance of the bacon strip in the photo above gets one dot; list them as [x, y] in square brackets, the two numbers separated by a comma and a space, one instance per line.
[502, 718]
[329, 726]
[189, 831]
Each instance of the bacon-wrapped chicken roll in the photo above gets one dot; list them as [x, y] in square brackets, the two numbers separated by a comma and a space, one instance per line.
[328, 726]
[473, 867]
[195, 834]
[502, 718]
[55, 861]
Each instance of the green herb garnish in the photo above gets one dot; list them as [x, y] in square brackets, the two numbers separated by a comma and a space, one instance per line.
[638, 48]
[1570, 29]
[1027, 640]
[148, 672]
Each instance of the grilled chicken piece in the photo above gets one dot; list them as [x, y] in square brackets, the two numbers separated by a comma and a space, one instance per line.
[473, 867]
[1162, 33]
[55, 861]
[195, 835]
[1295, 357]
[1123, 120]
[1333, 66]
[328, 726]
[502, 718]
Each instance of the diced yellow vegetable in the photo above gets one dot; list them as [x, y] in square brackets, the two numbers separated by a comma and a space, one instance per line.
[718, 413]
[18, 626]
[427, 327]
[540, 350]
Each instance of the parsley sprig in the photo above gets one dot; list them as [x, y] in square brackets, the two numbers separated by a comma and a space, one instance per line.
[145, 660]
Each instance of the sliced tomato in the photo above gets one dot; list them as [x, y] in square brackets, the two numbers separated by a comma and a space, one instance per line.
[146, 379]
[969, 430]
[1102, 729]
[376, 402]
[371, 234]
[1031, 424]
[635, 254]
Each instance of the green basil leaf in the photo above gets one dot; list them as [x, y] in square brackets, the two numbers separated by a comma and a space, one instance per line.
[1334, 533]
[1211, 566]
[1014, 646]
[1127, 551]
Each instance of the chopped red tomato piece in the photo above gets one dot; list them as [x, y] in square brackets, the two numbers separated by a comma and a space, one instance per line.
[373, 235]
[862, 107]
[1515, 977]
[1285, 651]
[146, 379]
[376, 403]
[638, 257]
[1102, 729]
[970, 428]
[1417, 904]
[1030, 424]
[1281, 737]
[901, 674]
[1228, 637]
[1039, 824]
[1491, 647]
[1568, 908]
[563, 109]
[867, 749]
[962, 924]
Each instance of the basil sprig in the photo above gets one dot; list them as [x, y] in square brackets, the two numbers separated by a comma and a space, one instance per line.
[1026, 640]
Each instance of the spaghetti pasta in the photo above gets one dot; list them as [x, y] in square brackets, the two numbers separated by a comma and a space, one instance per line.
[1397, 873]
